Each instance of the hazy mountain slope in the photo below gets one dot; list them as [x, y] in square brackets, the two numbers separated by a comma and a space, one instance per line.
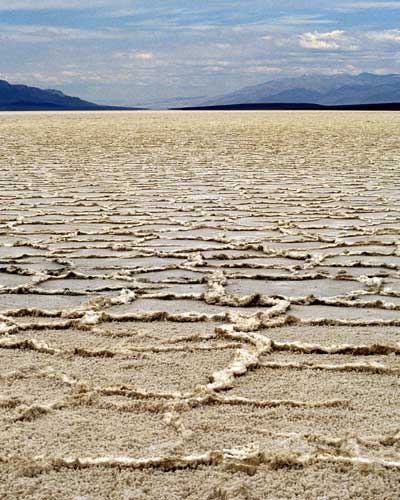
[319, 89]
[354, 94]
[298, 95]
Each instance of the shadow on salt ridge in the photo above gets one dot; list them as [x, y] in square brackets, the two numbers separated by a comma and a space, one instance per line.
[175, 306]
[365, 260]
[12, 302]
[300, 288]
[357, 314]
[80, 285]
[9, 280]
[170, 276]
[7, 253]
[128, 263]
[180, 244]
[333, 335]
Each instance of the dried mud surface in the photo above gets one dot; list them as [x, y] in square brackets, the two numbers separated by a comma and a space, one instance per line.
[199, 306]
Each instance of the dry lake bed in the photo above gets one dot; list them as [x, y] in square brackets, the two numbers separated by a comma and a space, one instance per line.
[200, 306]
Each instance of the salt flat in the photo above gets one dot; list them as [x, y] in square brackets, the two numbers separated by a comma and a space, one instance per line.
[199, 305]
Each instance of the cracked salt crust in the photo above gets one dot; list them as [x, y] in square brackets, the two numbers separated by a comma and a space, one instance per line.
[216, 298]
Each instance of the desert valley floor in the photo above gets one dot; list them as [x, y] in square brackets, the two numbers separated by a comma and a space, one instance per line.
[200, 306]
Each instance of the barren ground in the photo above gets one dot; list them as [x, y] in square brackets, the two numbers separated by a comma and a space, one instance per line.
[199, 306]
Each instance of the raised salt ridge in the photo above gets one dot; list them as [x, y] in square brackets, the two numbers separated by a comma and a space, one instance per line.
[199, 305]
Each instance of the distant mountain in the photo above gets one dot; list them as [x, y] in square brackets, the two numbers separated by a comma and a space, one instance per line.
[24, 98]
[171, 102]
[329, 90]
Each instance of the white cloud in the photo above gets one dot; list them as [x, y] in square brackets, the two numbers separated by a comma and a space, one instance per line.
[218, 62]
[385, 36]
[50, 4]
[143, 56]
[134, 55]
[223, 45]
[131, 57]
[371, 5]
[70, 74]
[303, 19]
[341, 40]
[32, 33]
[331, 40]
[263, 69]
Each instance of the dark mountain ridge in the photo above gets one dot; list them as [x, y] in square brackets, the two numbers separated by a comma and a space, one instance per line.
[25, 98]
[393, 106]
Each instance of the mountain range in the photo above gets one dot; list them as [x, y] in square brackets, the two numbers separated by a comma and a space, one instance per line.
[328, 90]
[322, 90]
[24, 98]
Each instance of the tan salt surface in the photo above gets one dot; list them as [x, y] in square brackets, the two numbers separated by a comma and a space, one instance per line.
[208, 309]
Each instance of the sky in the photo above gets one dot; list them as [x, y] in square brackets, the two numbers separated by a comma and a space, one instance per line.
[134, 52]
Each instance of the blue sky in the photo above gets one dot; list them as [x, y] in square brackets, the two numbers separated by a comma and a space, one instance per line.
[134, 52]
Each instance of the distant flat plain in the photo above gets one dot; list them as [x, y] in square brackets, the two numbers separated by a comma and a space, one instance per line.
[199, 305]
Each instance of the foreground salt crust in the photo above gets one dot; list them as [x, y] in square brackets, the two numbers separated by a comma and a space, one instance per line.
[167, 273]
